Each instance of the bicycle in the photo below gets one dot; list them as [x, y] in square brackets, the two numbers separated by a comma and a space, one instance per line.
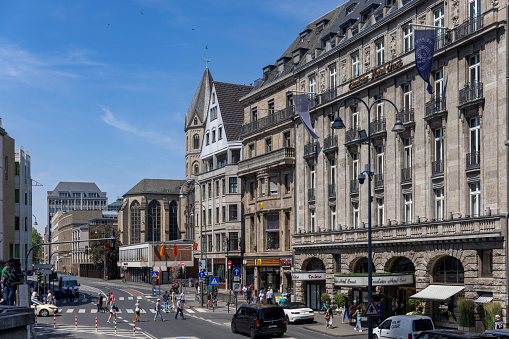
[323, 309]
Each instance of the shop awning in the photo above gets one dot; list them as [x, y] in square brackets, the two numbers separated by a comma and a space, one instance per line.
[484, 298]
[438, 292]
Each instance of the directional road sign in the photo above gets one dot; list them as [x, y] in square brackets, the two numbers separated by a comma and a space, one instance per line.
[201, 275]
[236, 272]
[214, 281]
[371, 310]
[155, 275]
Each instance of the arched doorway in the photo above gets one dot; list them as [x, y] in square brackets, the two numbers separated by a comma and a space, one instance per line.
[399, 266]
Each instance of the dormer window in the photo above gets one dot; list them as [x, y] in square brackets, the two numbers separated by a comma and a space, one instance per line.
[321, 25]
[367, 12]
[350, 8]
[303, 37]
[196, 121]
[213, 98]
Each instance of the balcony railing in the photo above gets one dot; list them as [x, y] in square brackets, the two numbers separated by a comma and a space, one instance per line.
[330, 143]
[310, 149]
[351, 135]
[435, 106]
[442, 39]
[471, 92]
[473, 160]
[311, 194]
[354, 186]
[326, 96]
[269, 120]
[282, 156]
[406, 115]
[437, 168]
[332, 190]
[379, 180]
[406, 174]
[468, 27]
[377, 126]
[313, 100]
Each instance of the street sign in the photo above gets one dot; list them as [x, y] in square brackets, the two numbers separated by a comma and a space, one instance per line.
[236, 278]
[201, 263]
[214, 281]
[42, 266]
[236, 272]
[210, 273]
[46, 271]
[104, 268]
[236, 287]
[371, 310]
[155, 275]
[229, 264]
[201, 275]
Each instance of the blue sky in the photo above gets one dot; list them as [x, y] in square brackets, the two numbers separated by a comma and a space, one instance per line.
[98, 90]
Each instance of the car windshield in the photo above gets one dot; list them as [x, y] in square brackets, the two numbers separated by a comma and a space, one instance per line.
[69, 283]
[293, 306]
[35, 302]
[272, 313]
[422, 325]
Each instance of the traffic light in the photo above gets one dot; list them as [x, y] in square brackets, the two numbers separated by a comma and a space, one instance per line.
[175, 250]
[195, 246]
[86, 249]
[162, 249]
[112, 241]
[39, 277]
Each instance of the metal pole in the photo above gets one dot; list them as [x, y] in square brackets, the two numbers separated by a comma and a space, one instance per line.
[370, 268]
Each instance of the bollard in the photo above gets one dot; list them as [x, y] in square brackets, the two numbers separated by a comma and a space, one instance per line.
[115, 326]
[54, 321]
[134, 328]
[36, 320]
[96, 324]
[76, 322]
[213, 303]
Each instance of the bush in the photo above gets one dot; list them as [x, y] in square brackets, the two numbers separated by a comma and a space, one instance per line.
[466, 308]
[490, 311]
[340, 299]
[414, 303]
[325, 298]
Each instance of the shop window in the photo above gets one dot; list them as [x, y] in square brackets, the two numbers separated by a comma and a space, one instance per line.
[448, 270]
[486, 257]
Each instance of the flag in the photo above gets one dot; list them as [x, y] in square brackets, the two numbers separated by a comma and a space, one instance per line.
[424, 50]
[302, 106]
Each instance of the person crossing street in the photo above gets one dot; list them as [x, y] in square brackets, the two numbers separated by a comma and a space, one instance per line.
[180, 308]
[158, 310]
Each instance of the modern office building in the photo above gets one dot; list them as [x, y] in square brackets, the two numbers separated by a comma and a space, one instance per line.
[22, 206]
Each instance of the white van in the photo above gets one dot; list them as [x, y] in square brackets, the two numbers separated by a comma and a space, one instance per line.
[403, 327]
[66, 282]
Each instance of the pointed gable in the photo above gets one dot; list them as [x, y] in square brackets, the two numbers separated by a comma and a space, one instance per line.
[200, 102]
[228, 96]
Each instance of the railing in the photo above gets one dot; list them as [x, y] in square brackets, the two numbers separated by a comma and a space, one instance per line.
[473, 160]
[377, 126]
[310, 149]
[332, 190]
[406, 174]
[327, 96]
[435, 106]
[277, 156]
[269, 120]
[330, 142]
[351, 135]
[472, 91]
[379, 180]
[311, 194]
[354, 186]
[437, 168]
[468, 27]
[442, 39]
[313, 100]
[406, 115]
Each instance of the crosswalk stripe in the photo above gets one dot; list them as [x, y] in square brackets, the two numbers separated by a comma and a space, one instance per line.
[129, 311]
[153, 311]
[120, 298]
[190, 311]
[59, 310]
[130, 298]
[201, 310]
[69, 310]
[82, 310]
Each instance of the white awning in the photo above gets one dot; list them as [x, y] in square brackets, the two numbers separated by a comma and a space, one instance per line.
[484, 298]
[438, 292]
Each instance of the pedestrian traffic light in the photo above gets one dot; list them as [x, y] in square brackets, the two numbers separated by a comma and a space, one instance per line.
[174, 249]
[162, 249]
[86, 249]
[112, 241]
[195, 246]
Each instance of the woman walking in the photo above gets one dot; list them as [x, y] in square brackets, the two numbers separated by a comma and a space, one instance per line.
[137, 310]
[359, 317]
[173, 300]
[328, 317]
[352, 311]
[113, 312]
[346, 313]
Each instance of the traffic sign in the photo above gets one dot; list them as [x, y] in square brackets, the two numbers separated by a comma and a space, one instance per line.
[183, 264]
[236, 278]
[210, 273]
[236, 287]
[214, 281]
[155, 275]
[229, 264]
[201, 263]
[371, 310]
[42, 266]
[236, 272]
[201, 275]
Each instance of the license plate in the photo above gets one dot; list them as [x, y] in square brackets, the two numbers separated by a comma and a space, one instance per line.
[272, 326]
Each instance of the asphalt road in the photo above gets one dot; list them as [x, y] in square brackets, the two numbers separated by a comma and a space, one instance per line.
[199, 323]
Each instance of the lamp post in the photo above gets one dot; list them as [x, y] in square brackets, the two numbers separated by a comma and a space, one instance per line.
[398, 127]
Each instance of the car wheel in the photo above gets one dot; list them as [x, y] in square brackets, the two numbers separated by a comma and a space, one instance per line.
[375, 336]
[234, 327]
[252, 333]
[44, 313]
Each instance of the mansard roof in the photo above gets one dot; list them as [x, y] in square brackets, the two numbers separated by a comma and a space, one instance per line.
[228, 96]
[200, 103]
[157, 186]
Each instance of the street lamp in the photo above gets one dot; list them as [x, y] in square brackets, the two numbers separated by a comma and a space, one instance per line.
[398, 127]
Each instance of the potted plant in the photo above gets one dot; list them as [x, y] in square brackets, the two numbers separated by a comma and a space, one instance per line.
[340, 300]
[325, 298]
[466, 320]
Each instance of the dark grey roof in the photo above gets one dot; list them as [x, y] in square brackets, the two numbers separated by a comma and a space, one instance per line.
[228, 96]
[87, 187]
[200, 103]
[158, 186]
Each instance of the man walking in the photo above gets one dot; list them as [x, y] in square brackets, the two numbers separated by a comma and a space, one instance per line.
[158, 310]
[166, 296]
[100, 303]
[15, 279]
[182, 297]
[249, 296]
[270, 294]
[180, 307]
[73, 294]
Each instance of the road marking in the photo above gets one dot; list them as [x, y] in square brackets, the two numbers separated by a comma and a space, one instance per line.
[70, 310]
[190, 311]
[120, 298]
[132, 292]
[143, 311]
[82, 310]
[153, 311]
[59, 310]
[130, 298]
[202, 310]
[129, 311]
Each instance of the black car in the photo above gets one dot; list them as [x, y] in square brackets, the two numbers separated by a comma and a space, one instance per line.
[259, 320]
[453, 334]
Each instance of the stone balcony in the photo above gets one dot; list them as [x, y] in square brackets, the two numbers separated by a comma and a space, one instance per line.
[271, 119]
[280, 157]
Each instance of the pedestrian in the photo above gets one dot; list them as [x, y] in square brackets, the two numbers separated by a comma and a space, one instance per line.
[400, 306]
[33, 295]
[394, 306]
[346, 312]
[249, 296]
[108, 297]
[49, 298]
[450, 308]
[113, 312]
[180, 308]
[353, 311]
[16, 278]
[137, 310]
[380, 308]
[54, 300]
[270, 294]
[4, 277]
[183, 297]
[328, 317]
[173, 299]
[261, 296]
[112, 297]
[166, 297]
[498, 323]
[209, 299]
[158, 310]
[100, 303]
[359, 317]
[72, 294]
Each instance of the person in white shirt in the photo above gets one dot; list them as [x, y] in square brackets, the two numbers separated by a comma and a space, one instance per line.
[34, 295]
[261, 296]
[270, 294]
[49, 297]
[182, 297]
[137, 310]
[180, 307]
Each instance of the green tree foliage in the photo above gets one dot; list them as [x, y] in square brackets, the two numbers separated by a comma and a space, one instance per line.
[340, 299]
[325, 298]
[36, 240]
[99, 249]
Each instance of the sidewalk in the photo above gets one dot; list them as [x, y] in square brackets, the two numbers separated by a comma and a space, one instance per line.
[339, 330]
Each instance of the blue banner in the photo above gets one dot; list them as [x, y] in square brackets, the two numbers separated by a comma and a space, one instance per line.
[302, 106]
[424, 50]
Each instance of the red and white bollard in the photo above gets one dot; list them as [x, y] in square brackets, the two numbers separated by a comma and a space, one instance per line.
[134, 328]
[54, 321]
[115, 326]
[36, 320]
[96, 324]
[76, 322]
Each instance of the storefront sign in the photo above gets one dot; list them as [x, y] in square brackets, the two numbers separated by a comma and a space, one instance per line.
[304, 276]
[375, 73]
[378, 280]
[285, 261]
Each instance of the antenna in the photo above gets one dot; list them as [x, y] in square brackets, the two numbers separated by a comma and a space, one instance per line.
[207, 60]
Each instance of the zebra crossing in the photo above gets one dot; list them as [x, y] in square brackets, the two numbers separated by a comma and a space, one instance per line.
[120, 332]
[127, 310]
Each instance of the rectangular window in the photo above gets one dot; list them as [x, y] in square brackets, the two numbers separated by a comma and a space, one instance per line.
[218, 242]
[16, 196]
[213, 136]
[288, 181]
[252, 189]
[209, 216]
[209, 240]
[475, 134]
[288, 141]
[332, 77]
[380, 160]
[408, 38]
[272, 232]
[474, 68]
[333, 218]
[355, 117]
[332, 166]
[263, 187]
[312, 86]
[475, 199]
[254, 114]
[26, 224]
[355, 65]
[439, 204]
[270, 106]
[217, 215]
[209, 185]
[233, 185]
[268, 145]
[438, 77]
[408, 208]
[16, 168]
[380, 211]
[337, 263]
[379, 107]
[252, 152]
[407, 97]
[223, 218]
[355, 215]
[16, 251]
[407, 155]
[232, 209]
[224, 186]
[273, 185]
[380, 57]
[217, 188]
[287, 231]
[233, 241]
[16, 223]
[220, 133]
[486, 262]
[355, 165]
[439, 144]
[26, 198]
[438, 20]
[312, 176]
[312, 220]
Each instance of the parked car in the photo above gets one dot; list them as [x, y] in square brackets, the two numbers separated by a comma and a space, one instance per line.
[259, 320]
[43, 310]
[501, 334]
[403, 327]
[452, 334]
[296, 311]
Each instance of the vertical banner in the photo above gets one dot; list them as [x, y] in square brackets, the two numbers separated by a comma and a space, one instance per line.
[302, 106]
[424, 50]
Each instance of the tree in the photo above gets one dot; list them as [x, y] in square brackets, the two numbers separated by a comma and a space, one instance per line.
[99, 250]
[36, 240]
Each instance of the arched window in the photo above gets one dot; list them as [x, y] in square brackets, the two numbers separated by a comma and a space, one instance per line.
[402, 265]
[174, 228]
[135, 223]
[196, 141]
[196, 121]
[362, 266]
[196, 169]
[315, 264]
[448, 270]
[154, 221]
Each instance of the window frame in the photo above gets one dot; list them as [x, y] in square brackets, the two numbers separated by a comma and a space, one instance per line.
[355, 65]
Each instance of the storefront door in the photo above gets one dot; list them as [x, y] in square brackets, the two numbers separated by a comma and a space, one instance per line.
[313, 293]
